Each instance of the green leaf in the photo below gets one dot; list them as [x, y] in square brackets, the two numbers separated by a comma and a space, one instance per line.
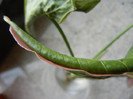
[86, 5]
[56, 9]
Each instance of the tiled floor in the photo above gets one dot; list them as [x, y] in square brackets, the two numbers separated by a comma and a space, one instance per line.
[24, 76]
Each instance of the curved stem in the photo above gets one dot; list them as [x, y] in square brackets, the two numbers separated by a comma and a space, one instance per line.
[63, 36]
[99, 54]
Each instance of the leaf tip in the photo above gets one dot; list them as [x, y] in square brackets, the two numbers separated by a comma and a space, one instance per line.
[6, 18]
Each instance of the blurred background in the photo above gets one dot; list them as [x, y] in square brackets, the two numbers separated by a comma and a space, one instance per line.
[13, 9]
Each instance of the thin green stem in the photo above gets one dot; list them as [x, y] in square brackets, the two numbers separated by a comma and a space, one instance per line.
[99, 54]
[63, 36]
[70, 75]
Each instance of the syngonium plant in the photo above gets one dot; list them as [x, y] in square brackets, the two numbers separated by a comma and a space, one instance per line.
[57, 11]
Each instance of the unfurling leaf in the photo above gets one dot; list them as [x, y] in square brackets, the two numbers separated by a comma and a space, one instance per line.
[56, 9]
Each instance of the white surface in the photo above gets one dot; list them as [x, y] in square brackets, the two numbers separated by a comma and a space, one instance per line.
[88, 33]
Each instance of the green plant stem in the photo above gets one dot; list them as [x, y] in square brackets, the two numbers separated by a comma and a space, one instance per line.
[99, 54]
[63, 36]
[69, 75]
